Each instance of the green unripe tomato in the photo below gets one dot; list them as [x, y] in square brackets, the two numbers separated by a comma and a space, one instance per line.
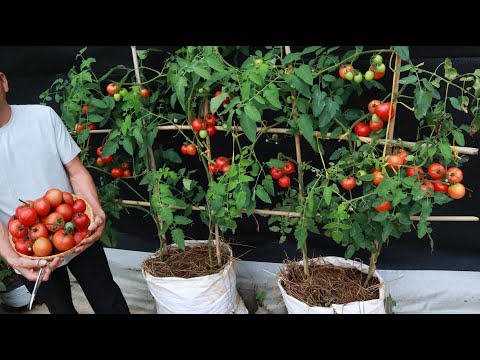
[207, 89]
[258, 61]
[349, 75]
[358, 77]
[175, 120]
[203, 133]
[69, 226]
[361, 173]
[369, 75]
[117, 97]
[123, 92]
[289, 99]
[359, 182]
[224, 106]
[381, 68]
[200, 91]
[224, 126]
[377, 59]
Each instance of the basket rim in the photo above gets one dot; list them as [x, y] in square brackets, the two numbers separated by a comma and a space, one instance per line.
[88, 211]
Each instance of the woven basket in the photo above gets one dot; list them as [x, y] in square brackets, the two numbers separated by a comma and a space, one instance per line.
[89, 213]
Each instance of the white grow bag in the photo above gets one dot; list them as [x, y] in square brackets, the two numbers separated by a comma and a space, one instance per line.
[376, 306]
[210, 294]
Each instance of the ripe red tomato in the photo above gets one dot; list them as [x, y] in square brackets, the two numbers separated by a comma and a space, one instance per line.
[440, 187]
[211, 119]
[394, 160]
[127, 173]
[99, 162]
[276, 173]
[85, 108]
[454, 175]
[117, 172]
[371, 106]
[79, 206]
[54, 222]
[42, 247]
[436, 171]
[79, 236]
[67, 199]
[343, 71]
[284, 181]
[54, 197]
[415, 171]
[225, 168]
[107, 159]
[65, 210]
[17, 229]
[144, 93]
[198, 124]
[212, 168]
[37, 231]
[377, 177]
[81, 221]
[378, 75]
[402, 153]
[456, 191]
[63, 241]
[99, 151]
[348, 183]
[13, 217]
[183, 149]
[289, 168]
[385, 206]
[211, 130]
[125, 165]
[191, 149]
[24, 247]
[362, 129]
[26, 215]
[224, 101]
[92, 126]
[79, 128]
[221, 161]
[112, 89]
[376, 124]
[428, 187]
[383, 111]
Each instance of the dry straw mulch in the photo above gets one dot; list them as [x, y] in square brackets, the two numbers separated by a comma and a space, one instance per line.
[193, 262]
[327, 285]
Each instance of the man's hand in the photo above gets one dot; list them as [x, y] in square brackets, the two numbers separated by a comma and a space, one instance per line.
[96, 230]
[30, 268]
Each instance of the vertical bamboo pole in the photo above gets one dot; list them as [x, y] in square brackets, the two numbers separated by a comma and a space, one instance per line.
[298, 151]
[153, 166]
[394, 98]
[209, 154]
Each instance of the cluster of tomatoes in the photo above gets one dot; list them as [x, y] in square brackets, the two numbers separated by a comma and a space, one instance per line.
[79, 127]
[220, 164]
[381, 113]
[281, 174]
[117, 172]
[440, 180]
[224, 102]
[118, 94]
[205, 127]
[189, 149]
[49, 225]
[375, 71]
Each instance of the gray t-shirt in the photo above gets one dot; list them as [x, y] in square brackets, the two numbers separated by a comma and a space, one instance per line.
[34, 146]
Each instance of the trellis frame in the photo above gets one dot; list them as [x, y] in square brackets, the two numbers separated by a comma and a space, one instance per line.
[388, 144]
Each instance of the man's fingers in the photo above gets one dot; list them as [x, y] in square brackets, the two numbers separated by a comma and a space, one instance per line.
[95, 224]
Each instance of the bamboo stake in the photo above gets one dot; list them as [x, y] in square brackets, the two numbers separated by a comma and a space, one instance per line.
[394, 96]
[153, 166]
[409, 144]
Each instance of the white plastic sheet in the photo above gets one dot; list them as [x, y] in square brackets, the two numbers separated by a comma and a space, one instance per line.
[376, 306]
[210, 294]
[18, 297]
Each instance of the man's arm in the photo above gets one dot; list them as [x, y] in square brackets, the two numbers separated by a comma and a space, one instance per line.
[84, 186]
[27, 267]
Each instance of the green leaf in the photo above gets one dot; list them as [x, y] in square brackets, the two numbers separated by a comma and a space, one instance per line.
[306, 126]
[410, 181]
[446, 151]
[295, 82]
[291, 57]
[182, 220]
[368, 177]
[245, 91]
[275, 163]
[318, 102]
[179, 238]
[249, 127]
[404, 219]
[187, 184]
[405, 68]
[459, 138]
[127, 145]
[240, 199]
[398, 196]
[267, 183]
[327, 194]
[172, 155]
[262, 194]
[475, 125]
[329, 111]
[403, 52]
[271, 93]
[337, 236]
[109, 148]
[274, 228]
[349, 252]
[252, 112]
[217, 101]
[300, 235]
[408, 80]
[167, 216]
[441, 198]
[245, 178]
[450, 72]
[83, 136]
[214, 63]
[387, 230]
[421, 229]
[329, 78]
[2, 287]
[201, 71]
[381, 216]
[138, 135]
[310, 49]
[305, 73]
[455, 103]
[98, 103]
[422, 102]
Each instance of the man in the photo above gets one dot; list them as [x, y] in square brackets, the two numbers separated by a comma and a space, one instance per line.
[37, 153]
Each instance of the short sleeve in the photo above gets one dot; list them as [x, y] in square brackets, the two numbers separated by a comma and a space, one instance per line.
[66, 146]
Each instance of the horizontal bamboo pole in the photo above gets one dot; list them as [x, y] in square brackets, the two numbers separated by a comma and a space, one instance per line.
[408, 144]
[297, 214]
